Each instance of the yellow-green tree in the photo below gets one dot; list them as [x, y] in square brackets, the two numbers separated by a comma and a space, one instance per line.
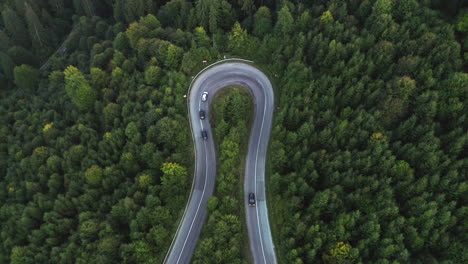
[152, 75]
[326, 17]
[174, 180]
[238, 39]
[78, 89]
[94, 175]
[340, 253]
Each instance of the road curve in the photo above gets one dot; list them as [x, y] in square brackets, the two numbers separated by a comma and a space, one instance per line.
[210, 80]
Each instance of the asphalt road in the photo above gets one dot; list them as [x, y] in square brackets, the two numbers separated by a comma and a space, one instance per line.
[211, 80]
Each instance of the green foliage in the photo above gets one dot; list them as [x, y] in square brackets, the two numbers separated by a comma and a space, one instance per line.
[15, 27]
[37, 32]
[132, 132]
[201, 38]
[121, 42]
[285, 23]
[98, 78]
[367, 146]
[144, 180]
[78, 89]
[7, 65]
[462, 25]
[174, 55]
[262, 22]
[135, 32]
[174, 181]
[94, 175]
[150, 22]
[20, 255]
[238, 39]
[88, 230]
[26, 77]
[340, 253]
[326, 17]
[141, 29]
[152, 75]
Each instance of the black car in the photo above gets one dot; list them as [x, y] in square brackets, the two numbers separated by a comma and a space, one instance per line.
[204, 135]
[251, 199]
[202, 114]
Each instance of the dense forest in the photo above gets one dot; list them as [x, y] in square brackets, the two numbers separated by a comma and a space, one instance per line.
[367, 160]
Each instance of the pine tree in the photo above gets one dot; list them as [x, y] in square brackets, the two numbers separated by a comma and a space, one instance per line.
[57, 6]
[214, 14]
[285, 22]
[4, 41]
[26, 77]
[78, 89]
[133, 9]
[88, 7]
[15, 28]
[7, 65]
[20, 7]
[36, 30]
[203, 12]
[248, 7]
[262, 21]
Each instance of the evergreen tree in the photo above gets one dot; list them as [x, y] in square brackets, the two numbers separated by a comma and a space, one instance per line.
[58, 6]
[4, 41]
[285, 23]
[262, 21]
[26, 77]
[37, 32]
[15, 28]
[78, 89]
[88, 7]
[203, 10]
[7, 65]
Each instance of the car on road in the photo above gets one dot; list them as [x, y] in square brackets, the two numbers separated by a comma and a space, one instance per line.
[204, 96]
[202, 114]
[251, 199]
[204, 135]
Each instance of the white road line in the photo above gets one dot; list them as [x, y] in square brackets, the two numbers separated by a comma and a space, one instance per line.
[201, 199]
[256, 158]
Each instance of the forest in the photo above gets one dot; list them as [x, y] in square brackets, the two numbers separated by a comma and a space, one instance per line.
[367, 159]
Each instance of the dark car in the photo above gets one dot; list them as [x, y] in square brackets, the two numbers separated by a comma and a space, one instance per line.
[204, 135]
[202, 114]
[251, 199]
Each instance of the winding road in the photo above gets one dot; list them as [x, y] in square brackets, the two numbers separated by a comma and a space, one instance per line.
[212, 79]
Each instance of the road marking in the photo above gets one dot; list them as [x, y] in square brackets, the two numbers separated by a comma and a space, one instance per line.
[201, 199]
[256, 159]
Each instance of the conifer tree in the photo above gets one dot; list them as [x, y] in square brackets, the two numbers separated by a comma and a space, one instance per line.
[15, 27]
[214, 14]
[57, 6]
[7, 65]
[78, 89]
[4, 40]
[36, 30]
[133, 9]
[285, 22]
[88, 7]
[26, 77]
[203, 8]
